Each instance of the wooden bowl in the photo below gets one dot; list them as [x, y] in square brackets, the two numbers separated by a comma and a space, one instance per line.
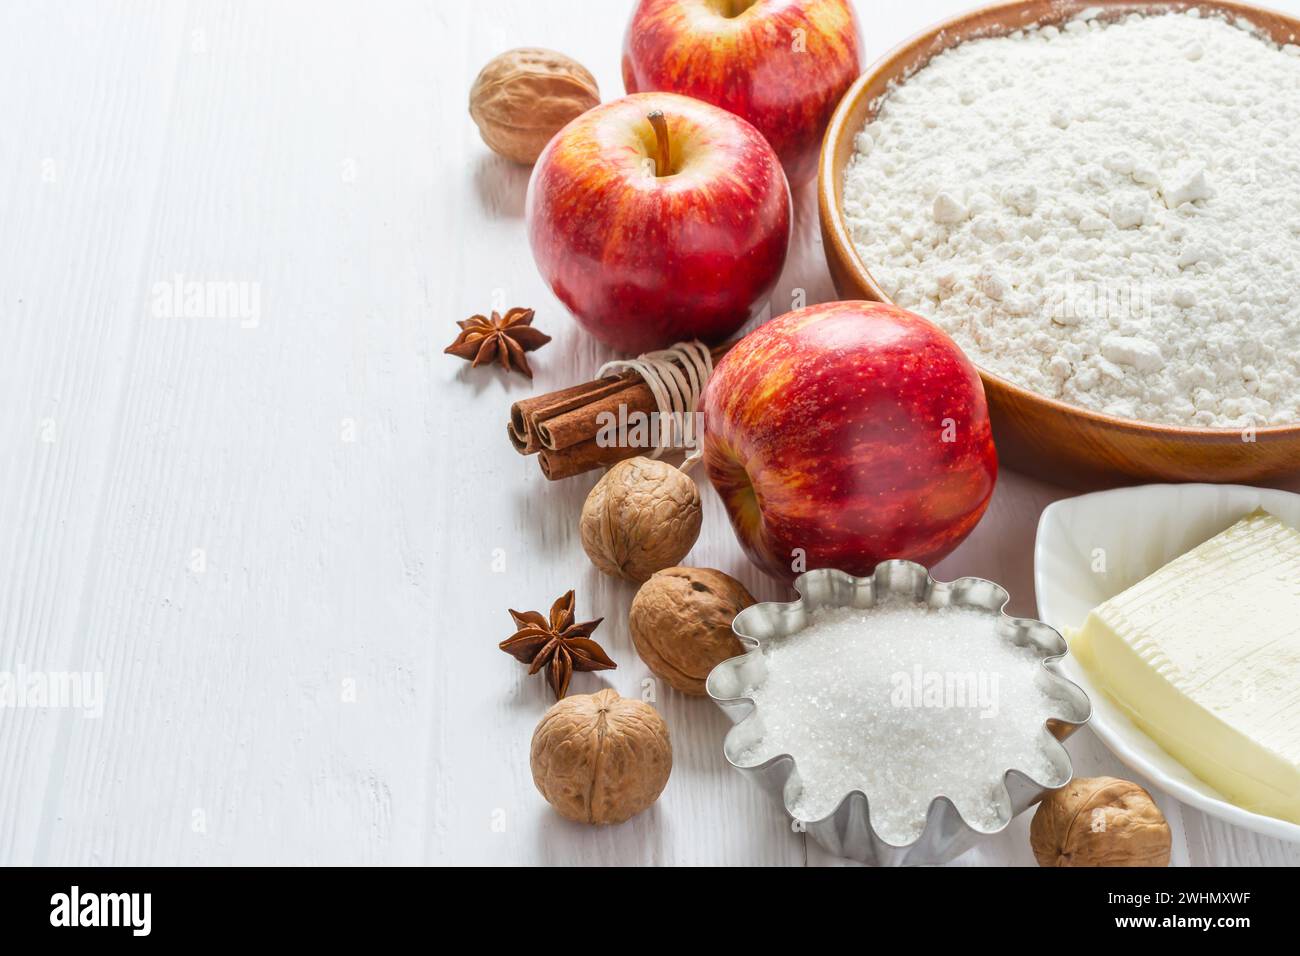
[1045, 437]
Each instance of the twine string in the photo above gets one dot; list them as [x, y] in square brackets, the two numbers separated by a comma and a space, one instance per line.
[676, 377]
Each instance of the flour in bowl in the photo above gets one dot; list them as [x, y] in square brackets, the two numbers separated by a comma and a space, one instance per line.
[1107, 214]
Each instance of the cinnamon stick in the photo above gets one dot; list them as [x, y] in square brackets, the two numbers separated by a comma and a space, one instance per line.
[582, 457]
[561, 427]
[526, 413]
[583, 422]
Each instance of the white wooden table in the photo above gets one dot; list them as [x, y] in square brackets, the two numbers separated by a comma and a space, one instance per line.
[287, 534]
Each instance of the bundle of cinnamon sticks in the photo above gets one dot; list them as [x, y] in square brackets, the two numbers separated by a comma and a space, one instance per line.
[561, 427]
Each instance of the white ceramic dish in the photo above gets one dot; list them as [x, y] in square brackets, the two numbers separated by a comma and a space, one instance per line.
[1136, 531]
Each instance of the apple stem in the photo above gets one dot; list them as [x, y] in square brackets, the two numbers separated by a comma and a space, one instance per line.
[656, 118]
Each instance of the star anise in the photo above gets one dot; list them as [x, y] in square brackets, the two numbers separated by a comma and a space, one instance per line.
[504, 338]
[559, 645]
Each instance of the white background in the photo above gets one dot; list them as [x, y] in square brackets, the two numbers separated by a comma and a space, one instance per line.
[323, 152]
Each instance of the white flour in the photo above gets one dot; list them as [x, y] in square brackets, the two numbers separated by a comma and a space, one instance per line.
[1105, 214]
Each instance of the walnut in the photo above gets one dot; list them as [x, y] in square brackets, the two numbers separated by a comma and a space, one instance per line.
[523, 97]
[643, 516]
[600, 758]
[681, 624]
[1100, 821]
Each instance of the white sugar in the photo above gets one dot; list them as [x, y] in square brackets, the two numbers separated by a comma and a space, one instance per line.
[905, 703]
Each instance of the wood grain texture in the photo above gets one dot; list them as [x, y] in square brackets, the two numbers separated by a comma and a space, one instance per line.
[289, 545]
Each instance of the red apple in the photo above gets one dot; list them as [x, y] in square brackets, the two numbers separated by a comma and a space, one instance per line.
[845, 434]
[781, 64]
[659, 219]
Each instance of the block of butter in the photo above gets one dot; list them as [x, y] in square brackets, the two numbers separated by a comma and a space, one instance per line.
[1204, 656]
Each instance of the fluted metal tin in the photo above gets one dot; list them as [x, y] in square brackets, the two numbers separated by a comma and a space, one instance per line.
[847, 831]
